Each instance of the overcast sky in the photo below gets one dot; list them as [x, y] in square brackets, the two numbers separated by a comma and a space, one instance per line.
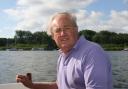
[33, 15]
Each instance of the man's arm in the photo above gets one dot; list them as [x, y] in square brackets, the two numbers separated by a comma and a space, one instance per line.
[48, 85]
[28, 83]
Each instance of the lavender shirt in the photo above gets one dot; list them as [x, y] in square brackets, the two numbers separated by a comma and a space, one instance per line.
[86, 66]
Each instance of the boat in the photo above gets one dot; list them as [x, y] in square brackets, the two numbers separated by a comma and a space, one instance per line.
[12, 86]
[125, 49]
[11, 49]
[37, 49]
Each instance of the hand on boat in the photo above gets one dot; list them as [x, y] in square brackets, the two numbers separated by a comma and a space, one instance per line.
[25, 80]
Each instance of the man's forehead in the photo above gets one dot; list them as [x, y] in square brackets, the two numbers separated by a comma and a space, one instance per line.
[61, 24]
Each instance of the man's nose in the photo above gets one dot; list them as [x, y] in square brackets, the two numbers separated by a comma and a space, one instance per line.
[63, 32]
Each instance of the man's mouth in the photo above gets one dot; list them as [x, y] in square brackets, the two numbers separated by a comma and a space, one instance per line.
[64, 39]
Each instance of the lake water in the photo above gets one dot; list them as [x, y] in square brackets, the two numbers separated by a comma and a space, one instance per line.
[42, 65]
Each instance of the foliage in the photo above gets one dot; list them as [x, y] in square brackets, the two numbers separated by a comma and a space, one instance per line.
[88, 34]
[28, 40]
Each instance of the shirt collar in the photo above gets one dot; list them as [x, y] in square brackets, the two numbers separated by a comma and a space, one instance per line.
[79, 42]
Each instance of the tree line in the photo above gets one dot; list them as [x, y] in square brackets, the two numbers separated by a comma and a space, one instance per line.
[28, 40]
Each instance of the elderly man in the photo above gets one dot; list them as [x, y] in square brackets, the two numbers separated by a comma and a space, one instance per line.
[81, 65]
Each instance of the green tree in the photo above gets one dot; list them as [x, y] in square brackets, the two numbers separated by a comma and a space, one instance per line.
[3, 41]
[102, 37]
[88, 34]
[23, 37]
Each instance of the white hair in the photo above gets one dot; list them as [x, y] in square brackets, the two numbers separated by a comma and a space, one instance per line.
[71, 16]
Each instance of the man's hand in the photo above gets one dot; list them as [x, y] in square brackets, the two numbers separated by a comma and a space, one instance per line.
[25, 80]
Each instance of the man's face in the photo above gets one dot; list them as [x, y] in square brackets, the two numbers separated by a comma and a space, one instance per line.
[64, 33]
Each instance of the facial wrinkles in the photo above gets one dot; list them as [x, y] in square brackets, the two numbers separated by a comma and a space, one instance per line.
[62, 23]
[64, 40]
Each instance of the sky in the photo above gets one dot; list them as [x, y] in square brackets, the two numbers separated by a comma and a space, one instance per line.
[34, 15]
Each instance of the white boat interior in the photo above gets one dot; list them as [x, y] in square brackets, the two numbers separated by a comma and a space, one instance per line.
[12, 86]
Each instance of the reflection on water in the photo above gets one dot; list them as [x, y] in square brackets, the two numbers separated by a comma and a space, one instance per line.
[42, 65]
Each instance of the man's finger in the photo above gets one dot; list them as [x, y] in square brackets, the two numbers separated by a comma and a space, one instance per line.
[20, 78]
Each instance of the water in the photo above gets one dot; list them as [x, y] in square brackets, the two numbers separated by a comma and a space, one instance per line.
[119, 60]
[42, 65]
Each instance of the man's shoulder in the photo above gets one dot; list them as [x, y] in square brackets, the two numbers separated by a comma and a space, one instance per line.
[89, 45]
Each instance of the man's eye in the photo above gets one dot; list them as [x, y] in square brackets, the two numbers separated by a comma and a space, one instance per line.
[67, 28]
[57, 30]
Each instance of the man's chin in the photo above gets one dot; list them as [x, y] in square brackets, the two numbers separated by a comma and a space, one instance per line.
[64, 46]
